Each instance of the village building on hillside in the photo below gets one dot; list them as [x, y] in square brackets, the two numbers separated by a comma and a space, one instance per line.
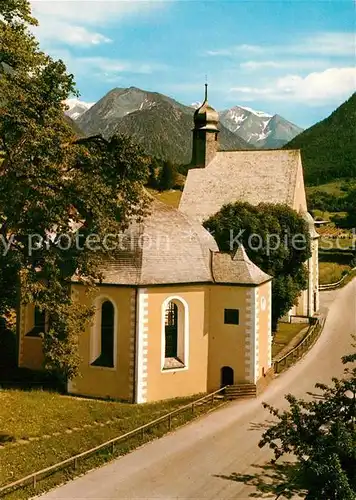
[173, 315]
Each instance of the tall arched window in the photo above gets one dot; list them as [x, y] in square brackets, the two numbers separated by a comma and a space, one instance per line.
[171, 330]
[175, 333]
[106, 348]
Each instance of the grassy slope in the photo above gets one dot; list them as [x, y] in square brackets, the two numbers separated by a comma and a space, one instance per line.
[171, 197]
[40, 428]
[286, 332]
[333, 187]
[331, 272]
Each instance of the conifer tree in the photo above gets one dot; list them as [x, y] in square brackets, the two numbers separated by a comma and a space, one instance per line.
[167, 178]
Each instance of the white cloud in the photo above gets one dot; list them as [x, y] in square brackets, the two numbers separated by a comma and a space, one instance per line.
[105, 68]
[231, 51]
[322, 44]
[95, 13]
[69, 34]
[330, 86]
[284, 64]
[329, 44]
[76, 22]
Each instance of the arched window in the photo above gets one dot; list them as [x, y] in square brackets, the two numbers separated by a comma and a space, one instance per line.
[171, 330]
[106, 339]
[175, 333]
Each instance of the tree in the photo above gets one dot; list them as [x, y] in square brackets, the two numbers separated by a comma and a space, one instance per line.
[351, 208]
[328, 147]
[55, 189]
[154, 167]
[167, 177]
[276, 239]
[321, 434]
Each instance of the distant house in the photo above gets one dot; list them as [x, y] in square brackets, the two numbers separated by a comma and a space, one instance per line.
[173, 315]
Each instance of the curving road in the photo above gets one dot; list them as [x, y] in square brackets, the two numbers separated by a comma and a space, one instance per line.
[199, 460]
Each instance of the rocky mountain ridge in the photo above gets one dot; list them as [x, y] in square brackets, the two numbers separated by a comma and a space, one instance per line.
[161, 125]
[260, 129]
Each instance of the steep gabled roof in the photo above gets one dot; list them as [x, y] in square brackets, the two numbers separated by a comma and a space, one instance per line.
[270, 176]
[237, 269]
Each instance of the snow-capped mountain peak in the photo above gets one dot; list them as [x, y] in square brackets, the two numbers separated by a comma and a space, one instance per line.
[76, 107]
[257, 127]
[261, 114]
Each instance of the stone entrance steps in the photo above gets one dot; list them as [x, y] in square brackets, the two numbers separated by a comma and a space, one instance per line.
[241, 391]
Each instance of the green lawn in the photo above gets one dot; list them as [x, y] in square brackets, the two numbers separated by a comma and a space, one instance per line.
[331, 272]
[330, 188]
[40, 428]
[171, 197]
[327, 216]
[286, 332]
[327, 243]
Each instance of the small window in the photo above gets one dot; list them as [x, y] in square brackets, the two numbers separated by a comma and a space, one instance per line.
[231, 317]
[106, 356]
[40, 325]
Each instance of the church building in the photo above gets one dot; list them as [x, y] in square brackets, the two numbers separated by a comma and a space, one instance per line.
[173, 315]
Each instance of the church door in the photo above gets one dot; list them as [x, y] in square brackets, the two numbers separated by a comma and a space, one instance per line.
[227, 376]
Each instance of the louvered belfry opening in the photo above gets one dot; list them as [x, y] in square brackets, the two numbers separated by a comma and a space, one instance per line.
[171, 330]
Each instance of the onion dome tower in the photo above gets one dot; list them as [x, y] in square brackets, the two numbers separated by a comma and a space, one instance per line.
[205, 134]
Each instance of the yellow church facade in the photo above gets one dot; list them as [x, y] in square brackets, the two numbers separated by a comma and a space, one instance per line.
[153, 341]
[173, 315]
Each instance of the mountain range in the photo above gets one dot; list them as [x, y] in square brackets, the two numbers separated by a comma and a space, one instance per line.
[260, 129]
[162, 125]
[328, 147]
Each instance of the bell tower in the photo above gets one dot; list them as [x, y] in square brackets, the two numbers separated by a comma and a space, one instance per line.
[205, 134]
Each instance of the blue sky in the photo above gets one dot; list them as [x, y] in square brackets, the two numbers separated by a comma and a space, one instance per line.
[295, 58]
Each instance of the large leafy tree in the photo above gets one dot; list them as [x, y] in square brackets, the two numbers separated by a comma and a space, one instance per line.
[276, 238]
[321, 434]
[52, 184]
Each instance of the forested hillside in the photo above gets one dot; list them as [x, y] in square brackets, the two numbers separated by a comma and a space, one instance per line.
[329, 147]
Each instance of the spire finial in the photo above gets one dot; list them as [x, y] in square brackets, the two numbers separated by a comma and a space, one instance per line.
[206, 87]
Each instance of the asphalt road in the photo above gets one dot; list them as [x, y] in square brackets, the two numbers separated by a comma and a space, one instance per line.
[199, 461]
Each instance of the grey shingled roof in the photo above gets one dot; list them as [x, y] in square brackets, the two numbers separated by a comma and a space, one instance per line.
[237, 269]
[251, 176]
[169, 248]
[166, 248]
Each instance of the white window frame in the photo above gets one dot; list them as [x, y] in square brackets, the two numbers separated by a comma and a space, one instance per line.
[95, 334]
[182, 334]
